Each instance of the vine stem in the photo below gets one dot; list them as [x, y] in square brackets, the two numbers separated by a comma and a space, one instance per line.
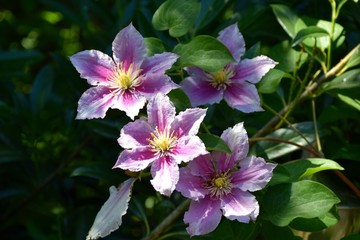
[168, 221]
[307, 92]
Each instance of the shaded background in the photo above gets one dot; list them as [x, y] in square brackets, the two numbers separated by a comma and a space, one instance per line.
[55, 171]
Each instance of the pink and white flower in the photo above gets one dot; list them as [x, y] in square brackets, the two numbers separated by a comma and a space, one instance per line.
[234, 83]
[125, 81]
[162, 141]
[220, 184]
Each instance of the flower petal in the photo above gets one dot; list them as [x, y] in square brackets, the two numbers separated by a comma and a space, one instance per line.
[93, 65]
[191, 186]
[161, 112]
[129, 47]
[130, 103]
[94, 103]
[197, 87]
[152, 84]
[253, 175]
[108, 219]
[203, 216]
[252, 70]
[233, 40]
[135, 134]
[165, 174]
[240, 205]
[158, 63]
[135, 160]
[243, 97]
[202, 166]
[188, 148]
[187, 123]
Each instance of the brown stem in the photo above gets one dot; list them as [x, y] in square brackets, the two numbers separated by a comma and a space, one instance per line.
[168, 221]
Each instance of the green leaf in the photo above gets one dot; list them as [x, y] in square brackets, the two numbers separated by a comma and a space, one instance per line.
[354, 59]
[355, 236]
[312, 31]
[154, 45]
[305, 199]
[271, 232]
[350, 79]
[306, 167]
[316, 224]
[177, 16]
[288, 58]
[270, 82]
[289, 21]
[235, 230]
[42, 88]
[253, 51]
[205, 52]
[209, 10]
[349, 151]
[272, 149]
[355, 103]
[214, 143]
[179, 99]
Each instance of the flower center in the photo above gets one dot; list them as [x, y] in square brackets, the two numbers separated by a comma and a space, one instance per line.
[126, 79]
[162, 141]
[220, 185]
[221, 79]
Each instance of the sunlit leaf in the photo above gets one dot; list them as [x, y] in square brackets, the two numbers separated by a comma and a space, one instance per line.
[289, 21]
[154, 45]
[304, 199]
[177, 16]
[205, 52]
[214, 143]
[349, 79]
[355, 103]
[270, 82]
[312, 31]
[302, 168]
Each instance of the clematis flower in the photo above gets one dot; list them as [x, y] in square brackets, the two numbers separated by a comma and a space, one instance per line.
[162, 141]
[234, 83]
[124, 82]
[220, 184]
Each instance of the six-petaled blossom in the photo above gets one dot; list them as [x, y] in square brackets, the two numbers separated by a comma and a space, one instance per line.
[234, 83]
[124, 82]
[162, 141]
[220, 184]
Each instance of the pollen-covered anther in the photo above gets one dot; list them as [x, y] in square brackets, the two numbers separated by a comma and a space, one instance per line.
[221, 79]
[125, 79]
[220, 185]
[162, 141]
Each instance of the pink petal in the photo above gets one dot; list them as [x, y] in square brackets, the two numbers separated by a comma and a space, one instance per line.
[197, 87]
[188, 122]
[203, 216]
[153, 84]
[130, 103]
[161, 112]
[191, 186]
[135, 160]
[252, 70]
[135, 134]
[93, 65]
[240, 205]
[108, 219]
[188, 148]
[253, 175]
[158, 63]
[202, 166]
[233, 40]
[243, 97]
[129, 47]
[165, 174]
[94, 103]
[237, 140]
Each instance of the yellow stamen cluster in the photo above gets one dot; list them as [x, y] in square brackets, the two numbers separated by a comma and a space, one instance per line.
[221, 79]
[220, 185]
[125, 79]
[162, 141]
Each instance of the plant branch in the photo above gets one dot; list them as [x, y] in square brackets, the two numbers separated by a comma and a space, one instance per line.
[168, 221]
[307, 92]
